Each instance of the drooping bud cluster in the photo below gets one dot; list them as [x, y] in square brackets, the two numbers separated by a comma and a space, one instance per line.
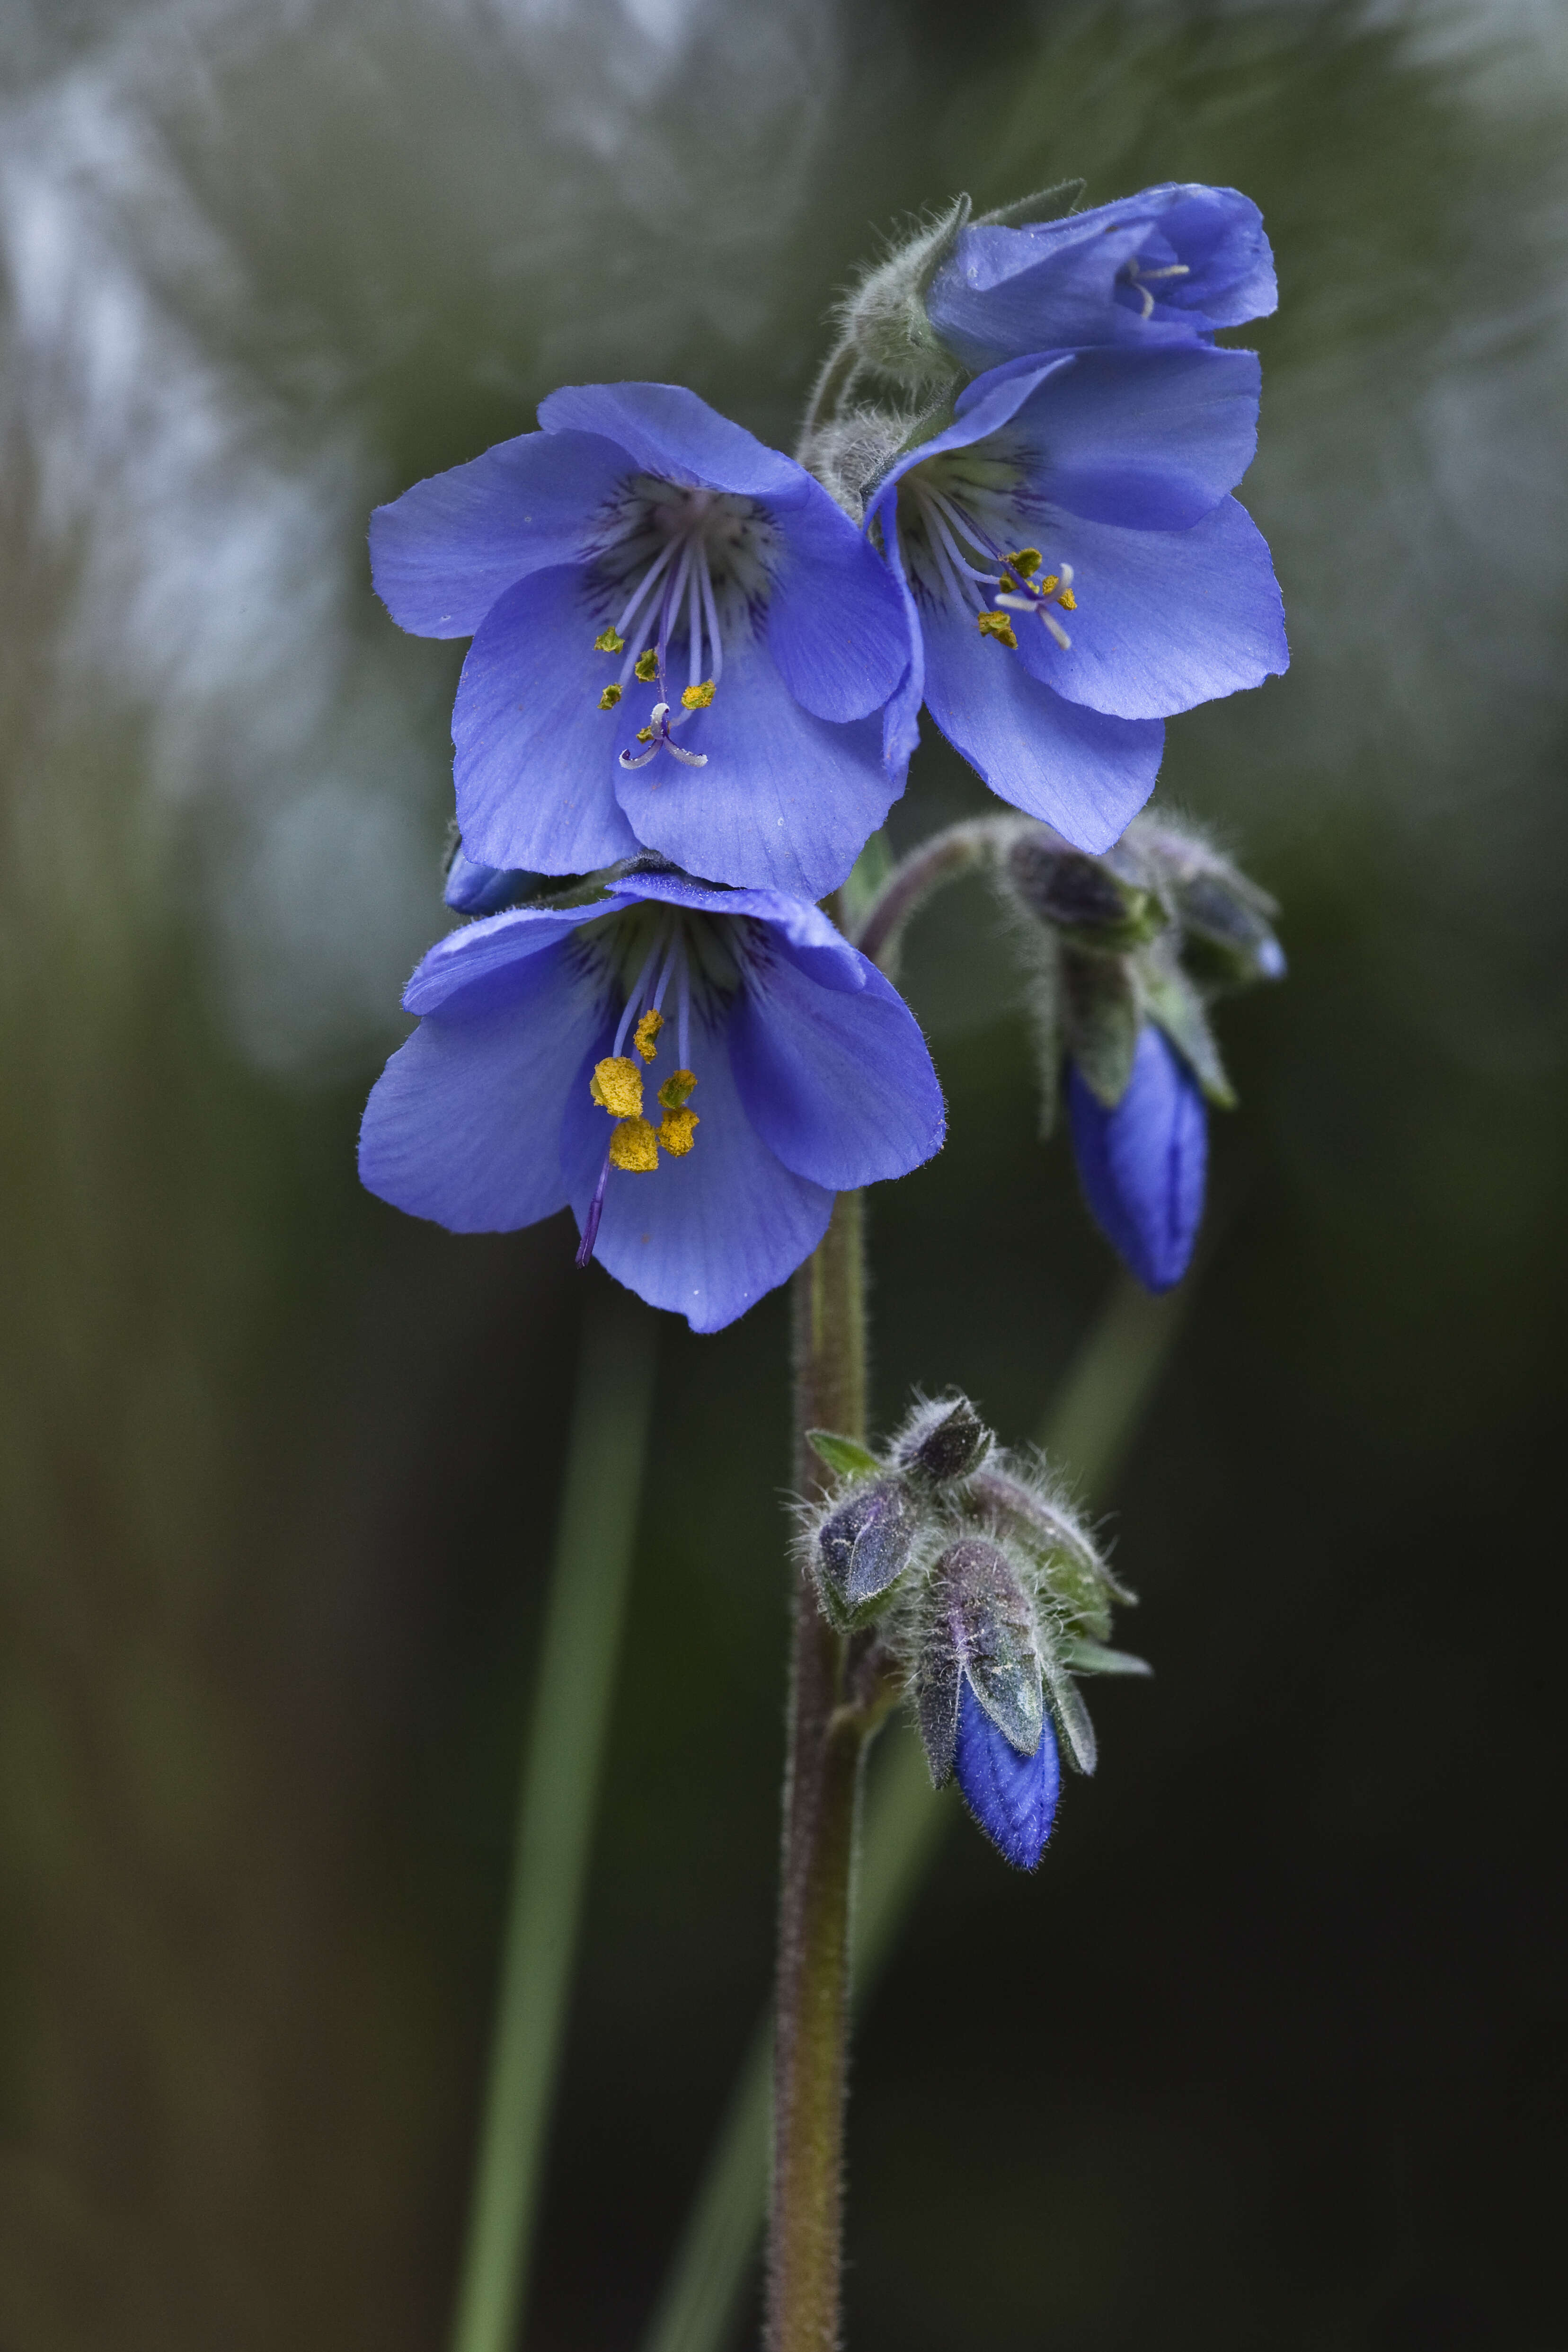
[1127, 952]
[989, 1598]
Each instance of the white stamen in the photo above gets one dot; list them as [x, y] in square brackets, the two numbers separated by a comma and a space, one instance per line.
[640, 591]
[715, 643]
[635, 998]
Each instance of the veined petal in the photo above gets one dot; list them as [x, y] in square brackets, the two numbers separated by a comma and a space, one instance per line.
[535, 765]
[1164, 619]
[707, 1235]
[1143, 1165]
[670, 432]
[480, 964]
[831, 1066]
[835, 623]
[463, 1125]
[785, 800]
[1152, 440]
[442, 554]
[1012, 1798]
[1084, 774]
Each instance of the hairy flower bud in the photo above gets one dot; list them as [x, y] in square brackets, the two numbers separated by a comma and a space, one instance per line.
[980, 1631]
[864, 1546]
[1105, 902]
[945, 1442]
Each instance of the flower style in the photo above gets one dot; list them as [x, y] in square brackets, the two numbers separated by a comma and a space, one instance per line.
[529, 1084]
[1175, 263]
[1143, 1163]
[679, 638]
[1090, 487]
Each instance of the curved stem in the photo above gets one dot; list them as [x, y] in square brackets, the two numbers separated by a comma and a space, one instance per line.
[838, 374]
[944, 858]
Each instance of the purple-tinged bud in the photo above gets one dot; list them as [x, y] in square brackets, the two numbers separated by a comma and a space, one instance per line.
[979, 1636]
[1012, 1796]
[945, 1442]
[1105, 902]
[864, 1546]
[1143, 1165]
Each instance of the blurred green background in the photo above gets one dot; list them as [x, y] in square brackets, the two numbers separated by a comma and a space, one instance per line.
[1274, 2049]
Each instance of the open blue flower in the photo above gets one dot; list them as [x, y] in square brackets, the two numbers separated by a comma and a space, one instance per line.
[1090, 484]
[678, 640]
[1175, 263]
[1142, 1165]
[1013, 1797]
[530, 1084]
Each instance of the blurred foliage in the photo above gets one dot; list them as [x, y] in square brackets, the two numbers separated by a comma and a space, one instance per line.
[1274, 2050]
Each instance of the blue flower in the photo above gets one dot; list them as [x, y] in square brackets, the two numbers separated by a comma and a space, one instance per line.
[1142, 1165]
[798, 1072]
[679, 640]
[1090, 484]
[1175, 263]
[1013, 1797]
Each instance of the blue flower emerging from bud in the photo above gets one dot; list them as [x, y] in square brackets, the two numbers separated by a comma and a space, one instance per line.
[1143, 1163]
[678, 640]
[1075, 570]
[1013, 1797]
[798, 1072]
[1168, 266]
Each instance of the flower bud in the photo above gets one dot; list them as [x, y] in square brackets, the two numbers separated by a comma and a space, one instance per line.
[945, 1442]
[1142, 1165]
[863, 1547]
[979, 1636]
[1105, 902]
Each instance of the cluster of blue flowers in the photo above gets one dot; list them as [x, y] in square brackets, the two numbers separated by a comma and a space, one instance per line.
[692, 694]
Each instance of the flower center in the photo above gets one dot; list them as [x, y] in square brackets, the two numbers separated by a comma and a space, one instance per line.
[957, 515]
[1135, 275]
[663, 976]
[682, 571]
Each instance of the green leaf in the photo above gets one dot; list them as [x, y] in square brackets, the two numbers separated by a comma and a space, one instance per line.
[1094, 1658]
[844, 1454]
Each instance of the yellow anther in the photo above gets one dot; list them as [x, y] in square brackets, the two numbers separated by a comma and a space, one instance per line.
[1068, 601]
[617, 1086]
[633, 1147]
[1028, 560]
[677, 1089]
[610, 697]
[1007, 584]
[697, 698]
[1049, 584]
[645, 734]
[647, 667]
[997, 626]
[678, 1132]
[645, 1033]
[606, 641]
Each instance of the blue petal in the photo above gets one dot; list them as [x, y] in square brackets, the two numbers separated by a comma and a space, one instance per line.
[786, 801]
[1142, 1165]
[474, 966]
[463, 1125]
[1165, 619]
[1013, 1797]
[1086, 775]
[535, 764]
[1149, 439]
[706, 1235]
[835, 621]
[442, 554]
[475, 889]
[667, 431]
[830, 1065]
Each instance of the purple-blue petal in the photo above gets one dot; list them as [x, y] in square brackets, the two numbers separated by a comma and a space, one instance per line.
[1152, 440]
[535, 767]
[473, 966]
[442, 554]
[1164, 619]
[786, 801]
[835, 623]
[463, 1124]
[1013, 1797]
[668, 432]
[1084, 774]
[1142, 1165]
[475, 889]
[706, 1235]
[831, 1066]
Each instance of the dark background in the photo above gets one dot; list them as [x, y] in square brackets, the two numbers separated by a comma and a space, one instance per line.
[1273, 2051]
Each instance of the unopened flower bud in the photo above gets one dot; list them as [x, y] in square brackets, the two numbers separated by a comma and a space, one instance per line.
[863, 1547]
[981, 1635]
[1105, 902]
[946, 1441]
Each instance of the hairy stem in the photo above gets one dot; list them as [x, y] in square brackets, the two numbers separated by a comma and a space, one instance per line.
[945, 857]
[826, 1741]
[555, 1811]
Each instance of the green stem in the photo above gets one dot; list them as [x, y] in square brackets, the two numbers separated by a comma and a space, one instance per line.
[826, 1741]
[561, 1771]
[944, 858]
